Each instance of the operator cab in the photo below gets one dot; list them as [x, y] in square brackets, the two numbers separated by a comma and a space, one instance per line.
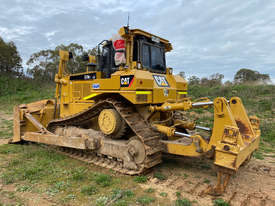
[148, 52]
[105, 58]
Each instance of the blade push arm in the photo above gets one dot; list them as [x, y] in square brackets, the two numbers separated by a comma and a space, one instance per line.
[196, 148]
[185, 105]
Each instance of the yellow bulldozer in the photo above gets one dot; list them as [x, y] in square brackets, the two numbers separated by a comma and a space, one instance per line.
[128, 109]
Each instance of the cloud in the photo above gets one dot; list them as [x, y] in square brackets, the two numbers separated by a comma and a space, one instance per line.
[207, 36]
[16, 33]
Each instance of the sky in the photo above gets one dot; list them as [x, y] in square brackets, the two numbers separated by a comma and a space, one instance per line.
[213, 36]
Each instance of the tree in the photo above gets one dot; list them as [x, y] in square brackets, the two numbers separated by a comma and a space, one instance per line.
[204, 81]
[248, 76]
[228, 83]
[43, 65]
[194, 80]
[213, 80]
[10, 60]
[216, 79]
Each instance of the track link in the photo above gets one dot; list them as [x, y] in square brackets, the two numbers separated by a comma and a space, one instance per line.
[138, 125]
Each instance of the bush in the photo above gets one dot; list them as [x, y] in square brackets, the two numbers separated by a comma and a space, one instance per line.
[128, 193]
[160, 176]
[140, 179]
[220, 202]
[182, 202]
[145, 200]
[103, 180]
[79, 174]
[121, 203]
[163, 194]
[268, 132]
[15, 91]
[150, 190]
[89, 190]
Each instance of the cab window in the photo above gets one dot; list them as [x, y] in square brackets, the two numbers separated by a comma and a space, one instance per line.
[146, 55]
[153, 58]
[157, 58]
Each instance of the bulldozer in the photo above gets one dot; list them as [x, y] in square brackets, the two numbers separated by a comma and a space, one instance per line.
[128, 109]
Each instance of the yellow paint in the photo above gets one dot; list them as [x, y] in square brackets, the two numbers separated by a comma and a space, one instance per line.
[174, 147]
[181, 149]
[90, 96]
[240, 144]
[107, 121]
[92, 59]
[170, 106]
[143, 92]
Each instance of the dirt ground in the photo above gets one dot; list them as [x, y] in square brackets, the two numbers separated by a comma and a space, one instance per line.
[253, 185]
[10, 196]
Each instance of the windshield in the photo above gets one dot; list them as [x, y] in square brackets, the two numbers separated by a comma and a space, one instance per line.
[153, 58]
[157, 58]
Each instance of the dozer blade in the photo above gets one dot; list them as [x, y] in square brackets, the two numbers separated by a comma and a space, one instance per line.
[32, 117]
[16, 125]
[30, 121]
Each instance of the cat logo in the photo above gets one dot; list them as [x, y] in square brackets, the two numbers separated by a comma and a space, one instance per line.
[126, 81]
[161, 81]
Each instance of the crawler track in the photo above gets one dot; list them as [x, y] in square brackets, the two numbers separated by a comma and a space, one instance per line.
[138, 125]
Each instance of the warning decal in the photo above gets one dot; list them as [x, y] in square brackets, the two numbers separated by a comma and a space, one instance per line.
[161, 81]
